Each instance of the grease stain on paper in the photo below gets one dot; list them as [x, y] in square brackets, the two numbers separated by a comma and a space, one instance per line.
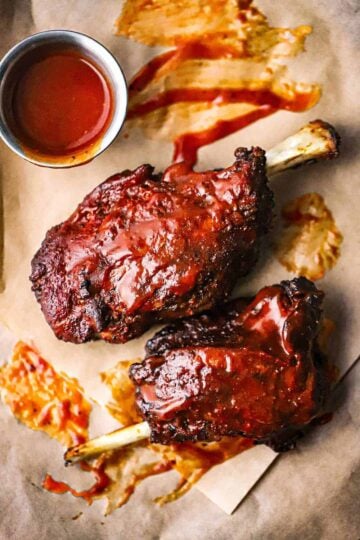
[122, 405]
[43, 399]
[310, 240]
[227, 68]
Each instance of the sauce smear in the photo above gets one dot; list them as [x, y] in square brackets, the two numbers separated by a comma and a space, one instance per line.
[61, 104]
[102, 481]
[226, 69]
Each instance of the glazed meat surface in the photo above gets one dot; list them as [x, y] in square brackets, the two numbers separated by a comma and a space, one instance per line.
[145, 248]
[250, 368]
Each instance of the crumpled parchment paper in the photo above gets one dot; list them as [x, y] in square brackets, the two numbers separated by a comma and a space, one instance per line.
[304, 489]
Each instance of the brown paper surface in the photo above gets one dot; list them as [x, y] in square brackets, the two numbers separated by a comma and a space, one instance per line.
[34, 199]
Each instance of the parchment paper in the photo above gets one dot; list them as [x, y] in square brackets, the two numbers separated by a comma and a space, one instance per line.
[35, 199]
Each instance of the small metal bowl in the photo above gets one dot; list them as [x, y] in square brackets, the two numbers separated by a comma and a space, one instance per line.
[91, 49]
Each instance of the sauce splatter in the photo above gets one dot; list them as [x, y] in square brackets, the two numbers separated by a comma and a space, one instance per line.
[310, 241]
[43, 399]
[119, 472]
[102, 481]
[227, 70]
[133, 464]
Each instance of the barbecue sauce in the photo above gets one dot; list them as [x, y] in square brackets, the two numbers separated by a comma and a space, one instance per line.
[118, 473]
[61, 103]
[102, 481]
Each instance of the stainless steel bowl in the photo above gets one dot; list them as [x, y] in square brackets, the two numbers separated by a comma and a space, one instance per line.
[89, 48]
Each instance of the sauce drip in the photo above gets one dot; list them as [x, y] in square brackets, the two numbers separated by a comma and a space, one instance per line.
[186, 146]
[193, 460]
[102, 481]
[61, 103]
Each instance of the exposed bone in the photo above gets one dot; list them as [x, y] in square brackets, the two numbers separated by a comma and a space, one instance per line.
[317, 140]
[111, 441]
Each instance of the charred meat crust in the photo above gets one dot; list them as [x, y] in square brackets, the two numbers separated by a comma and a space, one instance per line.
[252, 367]
[144, 248]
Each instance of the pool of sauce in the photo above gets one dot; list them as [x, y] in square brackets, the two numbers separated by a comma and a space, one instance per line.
[61, 102]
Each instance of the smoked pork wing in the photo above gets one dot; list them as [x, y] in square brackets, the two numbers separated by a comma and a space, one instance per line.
[144, 248]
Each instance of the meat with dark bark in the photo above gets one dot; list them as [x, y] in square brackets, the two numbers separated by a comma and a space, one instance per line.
[145, 248]
[252, 367]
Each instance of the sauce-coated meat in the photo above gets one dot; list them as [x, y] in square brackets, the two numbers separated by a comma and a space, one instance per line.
[252, 368]
[144, 248]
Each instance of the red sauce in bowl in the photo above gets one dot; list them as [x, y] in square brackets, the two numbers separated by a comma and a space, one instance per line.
[61, 104]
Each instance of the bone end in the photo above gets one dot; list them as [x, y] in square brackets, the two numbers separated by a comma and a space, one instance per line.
[316, 141]
[332, 139]
[111, 441]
